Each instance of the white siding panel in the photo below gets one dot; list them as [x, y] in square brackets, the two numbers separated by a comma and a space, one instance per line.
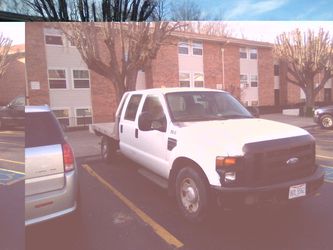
[68, 98]
[190, 63]
[141, 80]
[248, 67]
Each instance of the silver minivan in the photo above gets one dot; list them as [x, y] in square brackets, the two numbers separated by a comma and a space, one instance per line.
[51, 184]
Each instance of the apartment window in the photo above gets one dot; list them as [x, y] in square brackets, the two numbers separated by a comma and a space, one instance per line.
[243, 53]
[57, 78]
[81, 79]
[253, 54]
[83, 116]
[62, 116]
[254, 81]
[243, 81]
[183, 48]
[197, 48]
[198, 80]
[254, 103]
[276, 70]
[53, 40]
[184, 80]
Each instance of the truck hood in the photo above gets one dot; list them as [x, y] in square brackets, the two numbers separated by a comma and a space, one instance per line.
[231, 135]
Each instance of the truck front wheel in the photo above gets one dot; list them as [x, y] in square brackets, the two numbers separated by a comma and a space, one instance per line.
[108, 149]
[192, 194]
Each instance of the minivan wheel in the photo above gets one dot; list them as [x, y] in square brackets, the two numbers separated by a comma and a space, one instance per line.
[326, 121]
[108, 149]
[192, 194]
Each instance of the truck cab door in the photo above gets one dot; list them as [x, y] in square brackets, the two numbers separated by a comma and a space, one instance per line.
[152, 141]
[128, 127]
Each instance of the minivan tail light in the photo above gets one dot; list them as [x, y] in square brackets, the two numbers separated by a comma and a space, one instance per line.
[68, 157]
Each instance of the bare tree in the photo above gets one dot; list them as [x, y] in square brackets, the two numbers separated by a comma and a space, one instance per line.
[307, 55]
[161, 10]
[93, 10]
[5, 57]
[118, 51]
[185, 10]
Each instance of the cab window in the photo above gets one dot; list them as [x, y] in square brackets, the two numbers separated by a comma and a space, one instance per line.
[132, 107]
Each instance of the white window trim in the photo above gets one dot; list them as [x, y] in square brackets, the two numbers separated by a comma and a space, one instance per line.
[75, 115]
[184, 72]
[192, 47]
[66, 78]
[249, 79]
[62, 108]
[63, 117]
[247, 50]
[72, 74]
[193, 80]
[183, 46]
[191, 74]
[55, 45]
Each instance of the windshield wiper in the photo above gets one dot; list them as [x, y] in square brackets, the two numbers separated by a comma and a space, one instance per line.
[235, 116]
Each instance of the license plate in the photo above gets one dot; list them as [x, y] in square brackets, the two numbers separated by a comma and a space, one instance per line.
[297, 191]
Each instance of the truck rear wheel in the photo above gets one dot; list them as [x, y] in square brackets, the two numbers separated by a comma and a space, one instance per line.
[192, 194]
[108, 149]
[326, 121]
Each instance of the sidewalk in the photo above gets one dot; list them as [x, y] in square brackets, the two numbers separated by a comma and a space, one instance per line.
[84, 144]
[303, 122]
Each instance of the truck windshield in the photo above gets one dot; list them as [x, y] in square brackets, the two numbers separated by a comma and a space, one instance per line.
[204, 106]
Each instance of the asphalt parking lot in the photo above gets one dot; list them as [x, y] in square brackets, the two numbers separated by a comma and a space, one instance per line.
[121, 209]
[12, 189]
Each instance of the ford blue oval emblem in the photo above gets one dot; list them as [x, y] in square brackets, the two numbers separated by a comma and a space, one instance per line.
[292, 161]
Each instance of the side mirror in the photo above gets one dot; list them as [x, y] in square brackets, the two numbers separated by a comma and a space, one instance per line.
[254, 111]
[145, 121]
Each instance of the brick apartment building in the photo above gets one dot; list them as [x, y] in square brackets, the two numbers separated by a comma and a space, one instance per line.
[13, 82]
[57, 75]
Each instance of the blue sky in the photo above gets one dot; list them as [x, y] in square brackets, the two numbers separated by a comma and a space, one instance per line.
[264, 10]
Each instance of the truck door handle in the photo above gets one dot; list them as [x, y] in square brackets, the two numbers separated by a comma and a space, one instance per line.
[136, 133]
[121, 128]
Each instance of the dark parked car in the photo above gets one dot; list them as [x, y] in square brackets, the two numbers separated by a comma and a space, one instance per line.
[13, 113]
[324, 116]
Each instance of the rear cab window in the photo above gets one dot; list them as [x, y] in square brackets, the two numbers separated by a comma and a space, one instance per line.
[42, 129]
[132, 107]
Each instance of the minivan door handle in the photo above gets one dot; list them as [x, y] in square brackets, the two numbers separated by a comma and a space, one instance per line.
[136, 133]
[121, 128]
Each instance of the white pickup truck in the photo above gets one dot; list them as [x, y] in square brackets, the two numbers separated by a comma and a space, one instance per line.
[204, 146]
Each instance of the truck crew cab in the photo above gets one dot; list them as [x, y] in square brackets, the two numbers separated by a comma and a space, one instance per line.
[204, 146]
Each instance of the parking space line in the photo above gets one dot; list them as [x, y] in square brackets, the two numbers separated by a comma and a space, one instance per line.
[324, 157]
[11, 143]
[15, 162]
[158, 229]
[12, 171]
[11, 132]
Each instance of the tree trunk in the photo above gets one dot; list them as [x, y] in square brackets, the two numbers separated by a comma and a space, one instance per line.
[309, 101]
[131, 78]
[149, 76]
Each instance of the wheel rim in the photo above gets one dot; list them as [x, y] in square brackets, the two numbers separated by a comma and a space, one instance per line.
[189, 195]
[327, 122]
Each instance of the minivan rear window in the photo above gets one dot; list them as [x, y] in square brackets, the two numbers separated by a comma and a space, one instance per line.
[41, 129]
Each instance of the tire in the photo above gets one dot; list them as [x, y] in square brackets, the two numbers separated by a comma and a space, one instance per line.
[108, 149]
[192, 194]
[326, 121]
